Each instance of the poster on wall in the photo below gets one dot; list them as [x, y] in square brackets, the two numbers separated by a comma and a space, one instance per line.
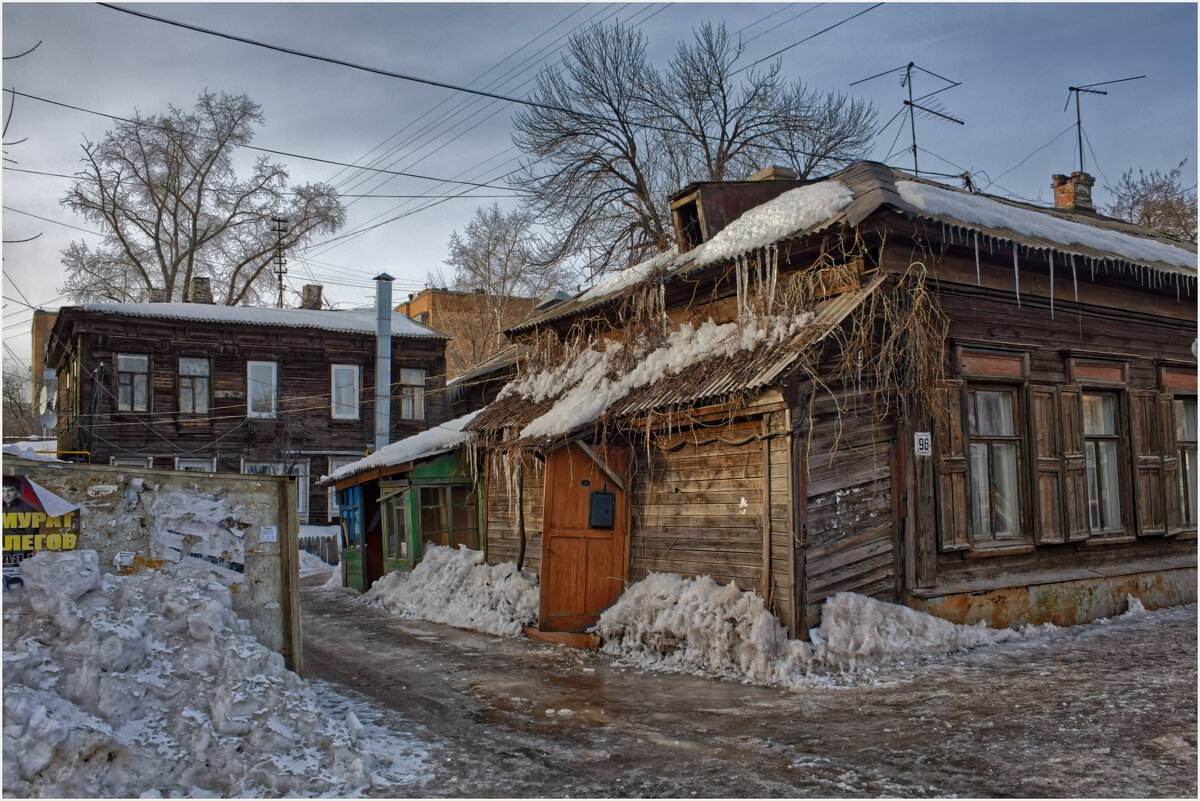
[35, 519]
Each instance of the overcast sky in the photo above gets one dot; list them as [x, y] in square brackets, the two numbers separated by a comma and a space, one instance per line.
[1015, 62]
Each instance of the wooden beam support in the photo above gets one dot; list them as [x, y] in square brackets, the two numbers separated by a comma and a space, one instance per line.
[608, 471]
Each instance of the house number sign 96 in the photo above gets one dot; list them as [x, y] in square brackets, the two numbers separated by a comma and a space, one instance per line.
[922, 443]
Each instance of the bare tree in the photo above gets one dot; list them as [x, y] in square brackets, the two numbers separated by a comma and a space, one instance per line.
[612, 136]
[593, 172]
[165, 193]
[17, 397]
[493, 265]
[1157, 200]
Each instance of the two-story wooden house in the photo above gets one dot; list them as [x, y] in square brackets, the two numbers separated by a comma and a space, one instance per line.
[197, 386]
[869, 382]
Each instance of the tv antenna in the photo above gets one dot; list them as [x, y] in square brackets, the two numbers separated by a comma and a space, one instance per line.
[912, 106]
[1091, 90]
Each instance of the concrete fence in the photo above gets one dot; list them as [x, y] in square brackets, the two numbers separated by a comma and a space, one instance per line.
[139, 518]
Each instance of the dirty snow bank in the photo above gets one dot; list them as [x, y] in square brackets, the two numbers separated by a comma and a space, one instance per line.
[149, 684]
[311, 564]
[695, 625]
[456, 588]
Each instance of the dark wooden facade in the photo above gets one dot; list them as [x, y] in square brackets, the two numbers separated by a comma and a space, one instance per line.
[805, 488]
[303, 437]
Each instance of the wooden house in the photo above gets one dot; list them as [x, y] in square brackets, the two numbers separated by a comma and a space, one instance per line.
[871, 382]
[413, 493]
[197, 386]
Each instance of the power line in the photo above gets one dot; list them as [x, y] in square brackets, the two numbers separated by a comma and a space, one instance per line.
[147, 124]
[55, 222]
[805, 39]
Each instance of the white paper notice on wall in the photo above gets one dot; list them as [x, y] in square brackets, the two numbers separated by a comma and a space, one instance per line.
[922, 443]
[268, 534]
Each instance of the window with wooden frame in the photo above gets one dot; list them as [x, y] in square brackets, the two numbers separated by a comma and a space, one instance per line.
[261, 389]
[1185, 442]
[994, 459]
[344, 380]
[133, 382]
[447, 516]
[194, 385]
[1102, 457]
[412, 394]
[394, 512]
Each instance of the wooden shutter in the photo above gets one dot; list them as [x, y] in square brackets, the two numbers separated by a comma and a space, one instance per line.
[1169, 448]
[1047, 466]
[1147, 464]
[1074, 465]
[952, 499]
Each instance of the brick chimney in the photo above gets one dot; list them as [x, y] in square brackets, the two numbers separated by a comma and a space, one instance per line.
[201, 290]
[1074, 193]
[158, 295]
[310, 298]
[775, 173]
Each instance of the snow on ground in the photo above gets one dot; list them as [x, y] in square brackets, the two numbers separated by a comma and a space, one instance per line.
[982, 210]
[697, 626]
[456, 588]
[311, 564]
[149, 684]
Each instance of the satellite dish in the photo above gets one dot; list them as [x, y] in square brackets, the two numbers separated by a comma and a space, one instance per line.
[48, 419]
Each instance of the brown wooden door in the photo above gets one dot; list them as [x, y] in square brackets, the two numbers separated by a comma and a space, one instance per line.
[583, 569]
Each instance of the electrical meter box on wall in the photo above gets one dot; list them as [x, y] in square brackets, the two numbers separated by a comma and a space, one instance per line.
[602, 509]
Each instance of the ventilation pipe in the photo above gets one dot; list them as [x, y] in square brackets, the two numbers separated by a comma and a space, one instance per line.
[383, 359]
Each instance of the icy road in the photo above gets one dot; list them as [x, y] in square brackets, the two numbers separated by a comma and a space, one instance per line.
[1099, 710]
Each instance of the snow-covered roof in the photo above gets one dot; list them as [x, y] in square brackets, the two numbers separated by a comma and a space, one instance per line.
[431, 442]
[859, 190]
[357, 321]
[695, 363]
[958, 207]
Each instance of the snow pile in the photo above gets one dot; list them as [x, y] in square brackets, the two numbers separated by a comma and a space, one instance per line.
[358, 321]
[793, 212]
[985, 211]
[439, 439]
[592, 389]
[695, 625]
[456, 588]
[311, 564]
[149, 684]
[28, 449]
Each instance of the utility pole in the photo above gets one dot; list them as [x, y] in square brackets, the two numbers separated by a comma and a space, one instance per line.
[280, 262]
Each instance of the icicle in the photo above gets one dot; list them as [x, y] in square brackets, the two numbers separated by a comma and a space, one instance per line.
[977, 282]
[1074, 279]
[1050, 255]
[1016, 276]
[990, 253]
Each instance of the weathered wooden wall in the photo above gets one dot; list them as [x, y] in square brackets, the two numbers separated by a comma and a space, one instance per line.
[719, 508]
[850, 542]
[502, 537]
[303, 427]
[1138, 330]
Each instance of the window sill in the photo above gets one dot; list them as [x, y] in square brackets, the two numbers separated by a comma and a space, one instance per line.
[985, 551]
[1110, 538]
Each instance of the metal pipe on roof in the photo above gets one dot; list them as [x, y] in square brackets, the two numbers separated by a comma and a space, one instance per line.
[383, 359]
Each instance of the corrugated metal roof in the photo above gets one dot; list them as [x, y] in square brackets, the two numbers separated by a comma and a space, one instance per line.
[709, 378]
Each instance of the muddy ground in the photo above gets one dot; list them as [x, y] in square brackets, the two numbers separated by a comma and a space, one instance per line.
[1098, 710]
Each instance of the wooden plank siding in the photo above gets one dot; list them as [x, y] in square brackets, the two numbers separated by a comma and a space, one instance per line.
[304, 426]
[849, 540]
[502, 538]
[1132, 345]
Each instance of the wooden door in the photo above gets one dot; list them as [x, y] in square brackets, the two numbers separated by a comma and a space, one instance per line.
[583, 567]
